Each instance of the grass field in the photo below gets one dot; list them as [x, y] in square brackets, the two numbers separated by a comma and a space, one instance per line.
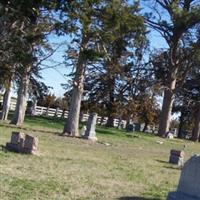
[133, 166]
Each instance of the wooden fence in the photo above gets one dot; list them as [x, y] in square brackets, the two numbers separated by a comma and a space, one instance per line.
[40, 110]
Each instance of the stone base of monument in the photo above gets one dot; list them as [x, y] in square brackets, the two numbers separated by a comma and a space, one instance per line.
[176, 157]
[21, 143]
[180, 196]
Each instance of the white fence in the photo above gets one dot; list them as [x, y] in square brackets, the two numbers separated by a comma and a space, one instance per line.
[40, 110]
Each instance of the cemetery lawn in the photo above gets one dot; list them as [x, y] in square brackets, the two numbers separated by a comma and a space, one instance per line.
[119, 166]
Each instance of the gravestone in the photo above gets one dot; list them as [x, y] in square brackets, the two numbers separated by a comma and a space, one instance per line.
[176, 157]
[137, 127]
[21, 143]
[130, 128]
[30, 144]
[90, 129]
[189, 184]
[17, 142]
[169, 135]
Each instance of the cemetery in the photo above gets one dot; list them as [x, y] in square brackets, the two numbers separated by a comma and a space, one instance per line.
[127, 168]
[100, 100]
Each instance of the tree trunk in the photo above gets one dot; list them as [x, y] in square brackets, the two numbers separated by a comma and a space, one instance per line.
[128, 122]
[6, 102]
[110, 105]
[180, 128]
[63, 114]
[72, 125]
[168, 100]
[119, 123]
[102, 119]
[196, 129]
[20, 109]
[81, 117]
[145, 126]
[110, 121]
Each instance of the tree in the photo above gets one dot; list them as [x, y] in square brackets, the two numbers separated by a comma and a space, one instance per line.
[27, 32]
[183, 15]
[122, 38]
[81, 22]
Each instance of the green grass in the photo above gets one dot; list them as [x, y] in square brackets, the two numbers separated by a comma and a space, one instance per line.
[134, 166]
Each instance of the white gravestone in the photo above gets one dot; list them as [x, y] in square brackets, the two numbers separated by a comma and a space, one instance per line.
[90, 129]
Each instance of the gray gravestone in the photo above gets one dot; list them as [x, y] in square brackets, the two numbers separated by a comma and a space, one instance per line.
[17, 142]
[176, 157]
[130, 128]
[189, 184]
[21, 143]
[90, 129]
[30, 144]
[137, 126]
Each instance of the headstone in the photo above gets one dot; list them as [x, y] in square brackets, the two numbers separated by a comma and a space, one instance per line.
[90, 129]
[21, 143]
[30, 144]
[130, 128]
[189, 184]
[137, 127]
[176, 157]
[123, 125]
[170, 135]
[17, 142]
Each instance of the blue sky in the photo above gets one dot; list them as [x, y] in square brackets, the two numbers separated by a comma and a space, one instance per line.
[55, 77]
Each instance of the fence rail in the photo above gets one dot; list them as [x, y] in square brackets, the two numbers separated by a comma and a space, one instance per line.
[40, 110]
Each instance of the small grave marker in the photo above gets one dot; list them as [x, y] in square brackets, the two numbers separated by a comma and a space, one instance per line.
[176, 157]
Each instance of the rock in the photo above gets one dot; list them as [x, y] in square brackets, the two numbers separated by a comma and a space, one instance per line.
[159, 142]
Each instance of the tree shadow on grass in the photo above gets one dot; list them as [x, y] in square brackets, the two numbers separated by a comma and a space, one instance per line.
[162, 161]
[174, 168]
[168, 165]
[29, 129]
[137, 198]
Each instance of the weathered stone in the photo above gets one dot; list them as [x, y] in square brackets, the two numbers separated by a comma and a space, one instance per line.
[173, 159]
[176, 157]
[17, 142]
[90, 129]
[137, 127]
[16, 137]
[177, 153]
[189, 184]
[130, 128]
[30, 144]
[13, 147]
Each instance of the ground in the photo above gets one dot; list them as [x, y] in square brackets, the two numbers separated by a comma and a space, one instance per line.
[133, 166]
